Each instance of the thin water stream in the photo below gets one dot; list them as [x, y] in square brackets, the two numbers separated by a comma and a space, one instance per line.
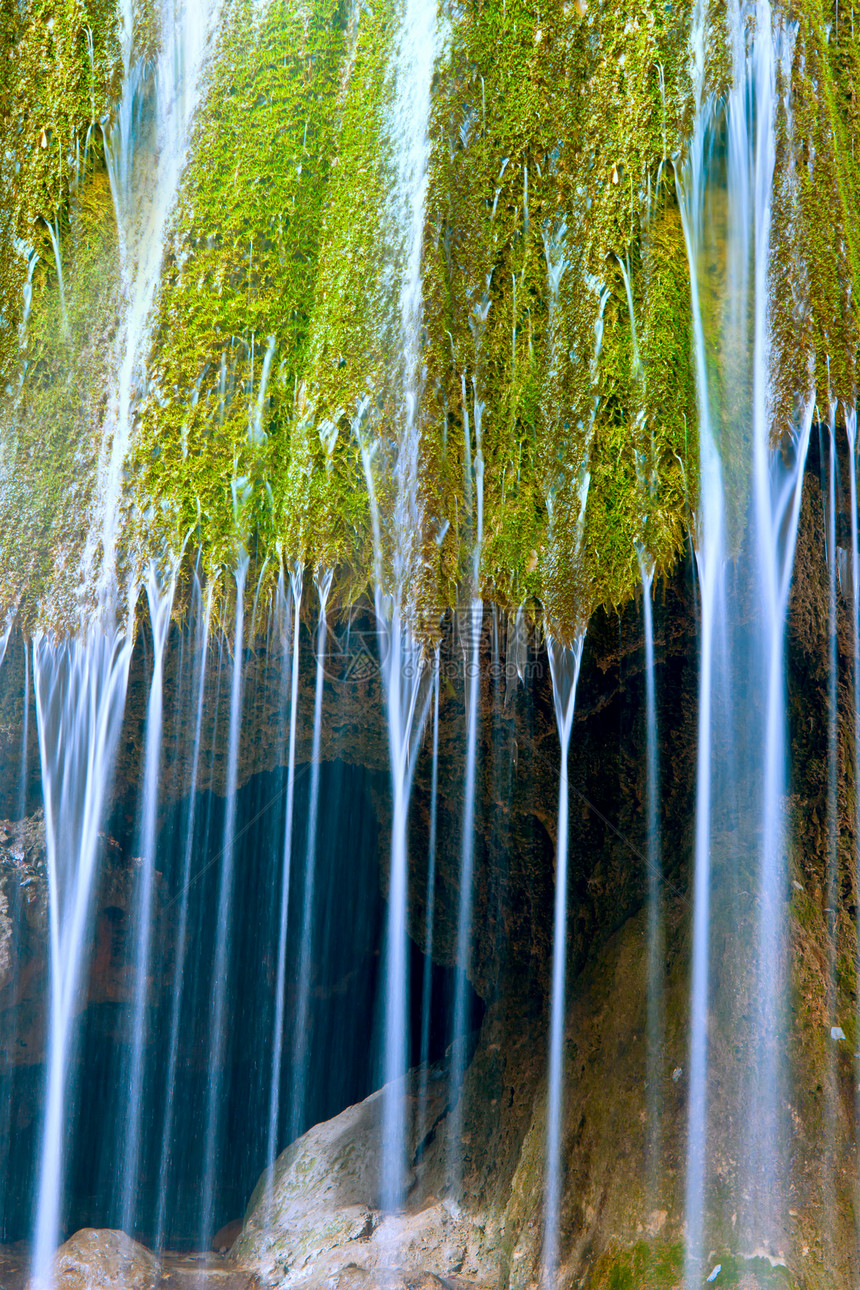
[656, 970]
[80, 692]
[301, 1044]
[564, 665]
[160, 600]
[215, 1145]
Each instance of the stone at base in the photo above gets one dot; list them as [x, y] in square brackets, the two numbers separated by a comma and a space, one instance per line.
[104, 1260]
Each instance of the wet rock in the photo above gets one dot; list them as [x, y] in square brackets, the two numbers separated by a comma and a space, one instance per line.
[318, 1220]
[225, 1236]
[104, 1260]
[24, 940]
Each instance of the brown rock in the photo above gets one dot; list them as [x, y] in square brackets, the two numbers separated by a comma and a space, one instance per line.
[224, 1238]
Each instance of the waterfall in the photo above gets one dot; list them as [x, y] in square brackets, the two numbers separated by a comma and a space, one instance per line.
[429, 913]
[80, 695]
[223, 923]
[403, 665]
[564, 665]
[404, 672]
[472, 620]
[300, 1047]
[741, 661]
[832, 878]
[202, 616]
[144, 203]
[160, 606]
[22, 799]
[709, 557]
[776, 499]
[286, 863]
[656, 1020]
[5, 634]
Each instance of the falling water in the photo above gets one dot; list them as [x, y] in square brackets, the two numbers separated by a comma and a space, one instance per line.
[710, 545]
[403, 664]
[286, 866]
[740, 660]
[143, 211]
[300, 1048]
[5, 634]
[160, 606]
[776, 498]
[22, 799]
[202, 615]
[473, 623]
[564, 667]
[214, 1109]
[429, 911]
[655, 918]
[832, 897]
[80, 694]
[404, 670]
[472, 671]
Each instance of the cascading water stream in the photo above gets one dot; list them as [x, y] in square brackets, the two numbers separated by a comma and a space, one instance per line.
[655, 1010]
[202, 615]
[160, 607]
[402, 662]
[286, 861]
[404, 670]
[80, 685]
[832, 881]
[741, 659]
[710, 548]
[776, 498]
[4, 636]
[223, 923]
[429, 913]
[80, 696]
[143, 204]
[564, 665]
[473, 622]
[25, 740]
[301, 1045]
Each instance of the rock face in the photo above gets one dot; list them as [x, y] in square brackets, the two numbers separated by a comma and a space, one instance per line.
[24, 967]
[622, 1213]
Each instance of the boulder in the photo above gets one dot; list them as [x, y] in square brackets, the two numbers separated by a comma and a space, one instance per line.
[317, 1218]
[104, 1260]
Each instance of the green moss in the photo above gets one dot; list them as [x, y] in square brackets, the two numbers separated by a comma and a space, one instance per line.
[59, 70]
[655, 1266]
[287, 239]
[556, 299]
[55, 415]
[816, 244]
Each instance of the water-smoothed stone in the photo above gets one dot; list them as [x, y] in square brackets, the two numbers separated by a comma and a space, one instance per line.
[317, 1219]
[95, 1259]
